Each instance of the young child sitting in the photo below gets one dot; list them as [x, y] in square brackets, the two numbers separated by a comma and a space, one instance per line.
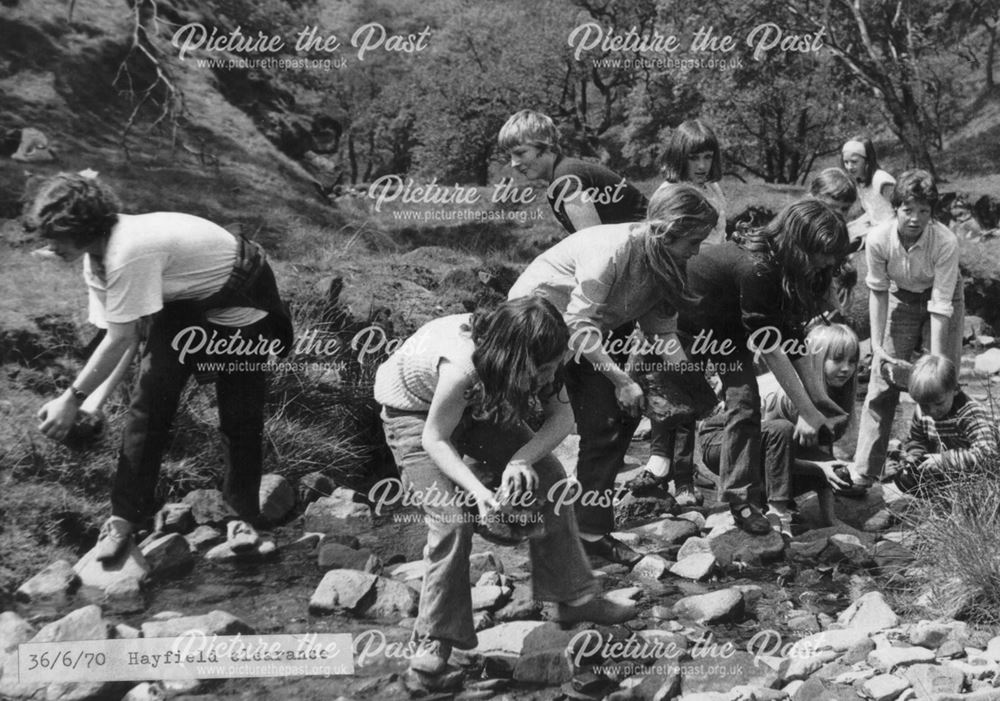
[949, 433]
[463, 385]
[581, 193]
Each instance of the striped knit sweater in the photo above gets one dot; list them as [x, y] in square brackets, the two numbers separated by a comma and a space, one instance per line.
[965, 438]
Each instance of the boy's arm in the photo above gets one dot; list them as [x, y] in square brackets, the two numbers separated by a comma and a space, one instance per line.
[977, 427]
[95, 402]
[945, 278]
[582, 214]
[519, 474]
[918, 442]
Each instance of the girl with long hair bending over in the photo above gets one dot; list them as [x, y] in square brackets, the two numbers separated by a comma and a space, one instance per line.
[603, 279]
[755, 298]
[464, 385]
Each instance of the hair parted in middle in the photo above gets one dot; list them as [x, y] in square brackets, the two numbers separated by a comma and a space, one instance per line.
[691, 137]
[835, 184]
[932, 376]
[512, 342]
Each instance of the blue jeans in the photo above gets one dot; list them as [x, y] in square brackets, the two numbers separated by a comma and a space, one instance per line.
[907, 328]
[560, 570]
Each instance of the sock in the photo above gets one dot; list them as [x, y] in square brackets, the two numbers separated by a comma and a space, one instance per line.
[658, 466]
[591, 537]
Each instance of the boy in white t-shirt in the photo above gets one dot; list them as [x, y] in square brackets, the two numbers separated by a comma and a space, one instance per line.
[200, 286]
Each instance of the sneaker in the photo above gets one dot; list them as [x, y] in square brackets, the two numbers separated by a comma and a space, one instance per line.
[749, 519]
[600, 610]
[431, 656]
[781, 522]
[241, 537]
[685, 495]
[612, 550]
[114, 539]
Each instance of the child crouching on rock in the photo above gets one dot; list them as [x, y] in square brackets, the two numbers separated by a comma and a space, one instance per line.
[791, 469]
[463, 385]
[950, 433]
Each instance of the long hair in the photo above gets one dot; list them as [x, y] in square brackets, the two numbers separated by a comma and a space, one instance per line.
[691, 137]
[871, 159]
[674, 212]
[74, 207]
[834, 184]
[801, 230]
[512, 342]
[836, 341]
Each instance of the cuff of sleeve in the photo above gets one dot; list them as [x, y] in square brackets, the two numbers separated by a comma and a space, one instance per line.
[877, 285]
[942, 308]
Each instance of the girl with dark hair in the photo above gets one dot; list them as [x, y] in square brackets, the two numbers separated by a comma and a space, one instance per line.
[756, 296]
[603, 279]
[692, 156]
[464, 385]
[874, 184]
[189, 276]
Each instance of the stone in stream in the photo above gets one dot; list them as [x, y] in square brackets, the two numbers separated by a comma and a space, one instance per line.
[118, 584]
[651, 567]
[213, 623]
[884, 687]
[334, 556]
[694, 545]
[718, 673]
[869, 612]
[715, 607]
[14, 630]
[543, 658]
[209, 507]
[735, 545]
[929, 679]
[521, 607]
[698, 567]
[362, 594]
[174, 518]
[203, 538]
[313, 486]
[55, 586]
[668, 531]
[344, 511]
[168, 555]
[277, 498]
[886, 659]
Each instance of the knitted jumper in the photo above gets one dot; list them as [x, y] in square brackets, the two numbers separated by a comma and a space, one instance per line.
[965, 438]
[407, 379]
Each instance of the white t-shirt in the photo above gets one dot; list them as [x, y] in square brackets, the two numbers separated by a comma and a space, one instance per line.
[163, 257]
[877, 207]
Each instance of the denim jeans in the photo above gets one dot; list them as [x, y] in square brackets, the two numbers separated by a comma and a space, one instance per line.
[677, 446]
[241, 396]
[907, 328]
[783, 480]
[560, 570]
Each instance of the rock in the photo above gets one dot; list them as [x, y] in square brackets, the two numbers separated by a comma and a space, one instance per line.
[543, 658]
[213, 623]
[174, 518]
[503, 644]
[858, 652]
[640, 509]
[314, 486]
[209, 507]
[147, 691]
[928, 679]
[306, 543]
[870, 612]
[694, 517]
[87, 623]
[929, 634]
[120, 583]
[54, 586]
[489, 579]
[408, 571]
[884, 687]
[14, 630]
[668, 531]
[480, 563]
[694, 546]
[392, 600]
[651, 567]
[886, 659]
[801, 667]
[521, 607]
[737, 546]
[720, 520]
[803, 622]
[223, 553]
[836, 640]
[807, 547]
[170, 554]
[489, 597]
[126, 632]
[718, 606]
[277, 498]
[334, 556]
[976, 668]
[341, 512]
[342, 589]
[843, 547]
[481, 620]
[890, 557]
[988, 362]
[715, 673]
[660, 685]
[203, 538]
[697, 567]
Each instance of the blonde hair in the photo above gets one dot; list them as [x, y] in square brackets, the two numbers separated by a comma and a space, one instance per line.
[931, 377]
[531, 128]
[835, 341]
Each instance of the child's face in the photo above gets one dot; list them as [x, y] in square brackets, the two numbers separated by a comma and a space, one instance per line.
[547, 372]
[856, 166]
[684, 249]
[912, 217]
[939, 407]
[838, 371]
[699, 165]
[65, 249]
[531, 162]
[838, 206]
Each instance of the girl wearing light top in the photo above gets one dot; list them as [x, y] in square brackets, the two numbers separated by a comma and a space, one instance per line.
[874, 185]
[916, 299]
[692, 156]
[464, 385]
[603, 279]
[193, 280]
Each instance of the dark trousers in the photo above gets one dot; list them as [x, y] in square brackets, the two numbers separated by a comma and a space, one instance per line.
[241, 393]
[677, 446]
[605, 434]
[778, 452]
